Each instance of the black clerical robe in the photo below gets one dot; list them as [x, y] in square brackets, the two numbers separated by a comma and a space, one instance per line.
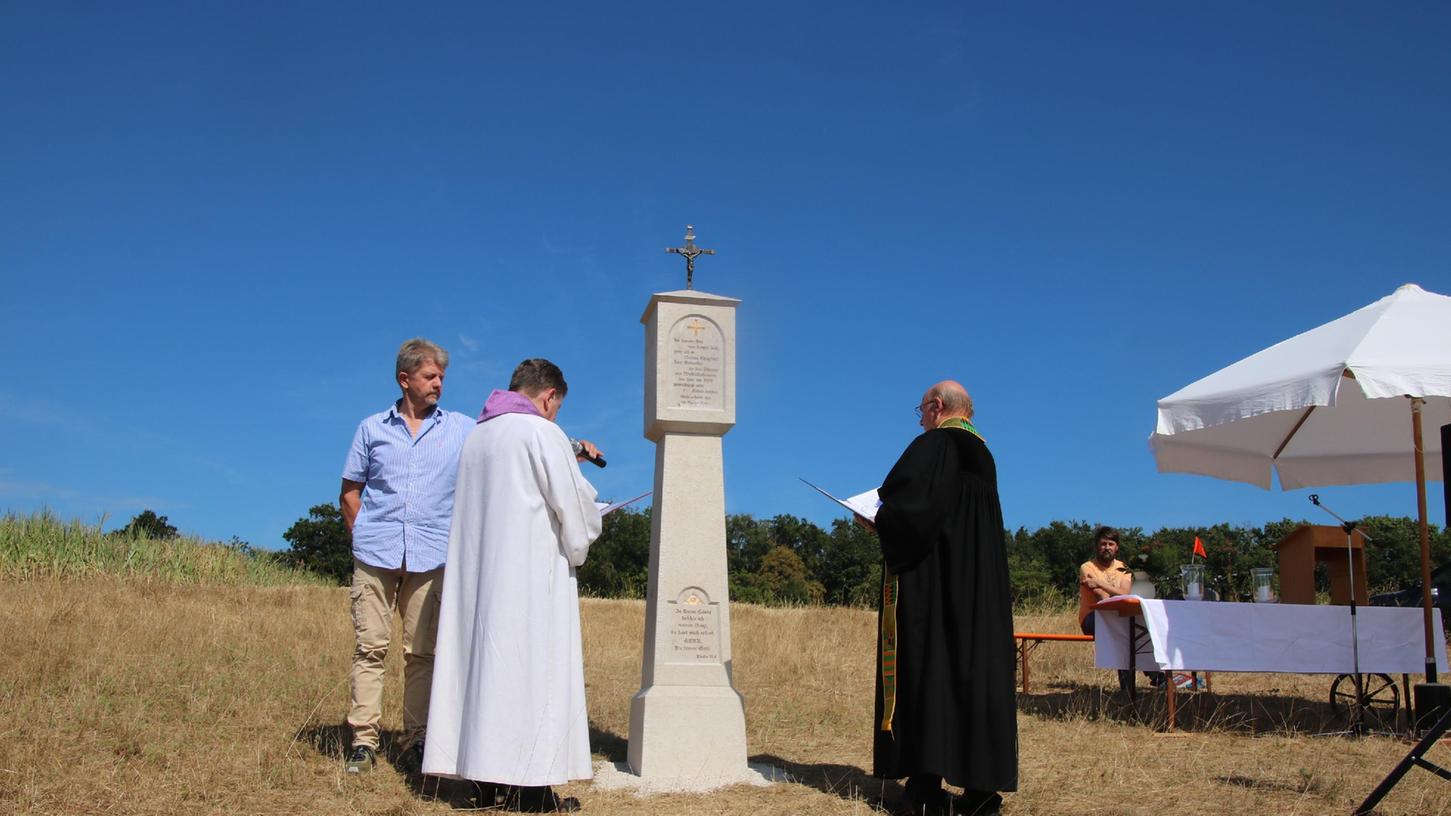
[946, 696]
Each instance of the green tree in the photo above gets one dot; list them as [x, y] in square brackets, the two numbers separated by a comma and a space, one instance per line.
[1059, 548]
[1393, 554]
[320, 543]
[851, 572]
[747, 542]
[618, 565]
[783, 575]
[804, 538]
[1028, 573]
[148, 524]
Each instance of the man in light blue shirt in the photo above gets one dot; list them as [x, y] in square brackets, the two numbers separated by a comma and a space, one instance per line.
[397, 501]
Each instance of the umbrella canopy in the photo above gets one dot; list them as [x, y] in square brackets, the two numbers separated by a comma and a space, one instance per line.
[1344, 403]
[1327, 407]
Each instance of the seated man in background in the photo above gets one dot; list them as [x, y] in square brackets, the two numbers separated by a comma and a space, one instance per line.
[1101, 577]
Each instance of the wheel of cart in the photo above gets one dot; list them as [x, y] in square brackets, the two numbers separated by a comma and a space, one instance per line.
[1380, 700]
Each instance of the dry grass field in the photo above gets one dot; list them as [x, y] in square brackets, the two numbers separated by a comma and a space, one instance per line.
[133, 696]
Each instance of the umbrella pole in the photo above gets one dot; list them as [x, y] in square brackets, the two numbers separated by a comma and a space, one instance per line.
[1431, 697]
[1416, 403]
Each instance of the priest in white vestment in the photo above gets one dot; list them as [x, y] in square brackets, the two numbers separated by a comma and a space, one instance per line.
[508, 682]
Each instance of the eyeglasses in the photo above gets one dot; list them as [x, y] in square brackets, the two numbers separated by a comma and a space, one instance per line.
[919, 409]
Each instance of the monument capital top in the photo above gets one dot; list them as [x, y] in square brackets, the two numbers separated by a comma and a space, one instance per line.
[693, 297]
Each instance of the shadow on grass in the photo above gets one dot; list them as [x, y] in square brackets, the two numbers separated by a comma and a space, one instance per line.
[333, 742]
[1249, 714]
[615, 747]
[843, 781]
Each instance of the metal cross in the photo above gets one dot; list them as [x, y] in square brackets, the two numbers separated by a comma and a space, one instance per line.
[691, 252]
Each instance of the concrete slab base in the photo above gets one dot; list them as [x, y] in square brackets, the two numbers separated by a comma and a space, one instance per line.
[618, 776]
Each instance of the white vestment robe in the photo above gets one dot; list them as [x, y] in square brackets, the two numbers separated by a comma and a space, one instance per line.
[508, 671]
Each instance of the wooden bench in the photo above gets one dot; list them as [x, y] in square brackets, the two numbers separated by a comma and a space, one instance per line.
[1028, 641]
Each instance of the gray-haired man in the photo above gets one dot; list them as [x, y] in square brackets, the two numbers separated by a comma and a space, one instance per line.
[397, 500]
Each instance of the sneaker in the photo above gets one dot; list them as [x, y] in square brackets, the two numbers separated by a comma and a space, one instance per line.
[361, 760]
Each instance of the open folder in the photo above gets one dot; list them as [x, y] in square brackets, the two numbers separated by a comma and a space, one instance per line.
[862, 504]
[606, 508]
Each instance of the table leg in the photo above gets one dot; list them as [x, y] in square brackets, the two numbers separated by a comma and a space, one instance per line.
[1406, 696]
[1169, 697]
[1134, 628]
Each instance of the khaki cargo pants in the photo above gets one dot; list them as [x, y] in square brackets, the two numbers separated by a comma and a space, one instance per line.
[375, 594]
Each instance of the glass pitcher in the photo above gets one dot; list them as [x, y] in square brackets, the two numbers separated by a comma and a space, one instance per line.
[1264, 592]
[1191, 578]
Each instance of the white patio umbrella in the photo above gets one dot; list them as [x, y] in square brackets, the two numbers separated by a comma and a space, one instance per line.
[1343, 403]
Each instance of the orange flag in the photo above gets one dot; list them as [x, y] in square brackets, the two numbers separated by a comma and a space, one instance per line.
[1199, 548]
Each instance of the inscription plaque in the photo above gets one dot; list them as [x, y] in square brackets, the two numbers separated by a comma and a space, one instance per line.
[696, 360]
[694, 628]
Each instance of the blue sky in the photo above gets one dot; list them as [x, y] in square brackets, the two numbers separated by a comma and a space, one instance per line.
[219, 220]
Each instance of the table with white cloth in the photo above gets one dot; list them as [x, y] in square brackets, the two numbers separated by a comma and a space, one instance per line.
[1258, 637]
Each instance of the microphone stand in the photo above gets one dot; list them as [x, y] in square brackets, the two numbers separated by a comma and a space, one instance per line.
[1357, 723]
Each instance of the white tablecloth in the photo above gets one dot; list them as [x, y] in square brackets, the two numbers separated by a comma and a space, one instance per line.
[1250, 637]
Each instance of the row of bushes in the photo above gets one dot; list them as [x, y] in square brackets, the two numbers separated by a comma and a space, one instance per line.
[784, 559]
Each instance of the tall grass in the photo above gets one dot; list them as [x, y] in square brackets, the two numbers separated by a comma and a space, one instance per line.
[141, 698]
[40, 545]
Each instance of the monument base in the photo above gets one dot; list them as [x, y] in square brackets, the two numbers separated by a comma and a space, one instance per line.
[696, 734]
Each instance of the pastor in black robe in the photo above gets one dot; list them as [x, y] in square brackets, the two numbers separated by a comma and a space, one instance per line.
[953, 712]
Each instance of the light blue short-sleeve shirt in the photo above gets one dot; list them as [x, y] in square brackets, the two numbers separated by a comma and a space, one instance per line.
[407, 487]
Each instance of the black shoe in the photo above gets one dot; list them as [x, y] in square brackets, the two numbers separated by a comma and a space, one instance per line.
[541, 799]
[410, 762]
[360, 760]
[486, 795]
[977, 803]
[914, 808]
[930, 806]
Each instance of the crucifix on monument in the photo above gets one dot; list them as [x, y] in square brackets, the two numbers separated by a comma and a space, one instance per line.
[691, 252]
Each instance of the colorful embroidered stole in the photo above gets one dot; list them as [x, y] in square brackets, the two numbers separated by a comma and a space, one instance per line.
[889, 647]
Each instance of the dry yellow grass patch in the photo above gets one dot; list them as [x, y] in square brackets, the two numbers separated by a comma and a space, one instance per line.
[132, 697]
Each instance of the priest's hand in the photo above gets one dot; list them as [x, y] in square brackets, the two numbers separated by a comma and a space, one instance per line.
[587, 451]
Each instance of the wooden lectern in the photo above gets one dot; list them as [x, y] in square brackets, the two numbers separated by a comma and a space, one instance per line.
[1310, 544]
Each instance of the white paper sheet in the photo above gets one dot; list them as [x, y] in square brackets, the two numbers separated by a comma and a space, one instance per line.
[862, 504]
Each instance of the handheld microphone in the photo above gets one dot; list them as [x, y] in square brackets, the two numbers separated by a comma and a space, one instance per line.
[578, 447]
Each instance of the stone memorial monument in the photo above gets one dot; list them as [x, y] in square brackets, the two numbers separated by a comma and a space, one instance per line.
[687, 722]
